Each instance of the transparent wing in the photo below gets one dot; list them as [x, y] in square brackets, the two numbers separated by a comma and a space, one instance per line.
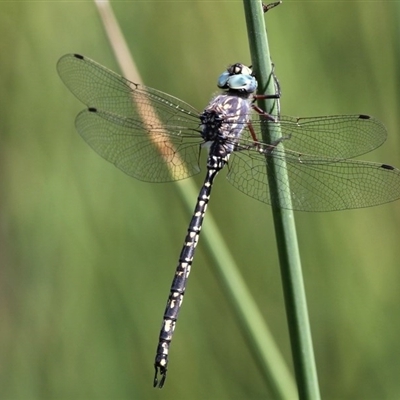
[315, 183]
[334, 136]
[137, 128]
[150, 155]
[155, 137]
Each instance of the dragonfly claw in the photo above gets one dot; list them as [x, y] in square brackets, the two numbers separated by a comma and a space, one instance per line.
[163, 373]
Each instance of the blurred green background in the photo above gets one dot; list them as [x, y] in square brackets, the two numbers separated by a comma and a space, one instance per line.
[88, 253]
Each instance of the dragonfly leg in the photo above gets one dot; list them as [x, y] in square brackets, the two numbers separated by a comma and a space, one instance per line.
[276, 81]
[163, 373]
[263, 148]
[277, 86]
[252, 132]
[264, 114]
[276, 95]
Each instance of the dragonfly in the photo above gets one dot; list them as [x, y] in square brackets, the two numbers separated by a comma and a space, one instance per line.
[156, 137]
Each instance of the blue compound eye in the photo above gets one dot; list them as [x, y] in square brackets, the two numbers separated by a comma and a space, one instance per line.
[238, 77]
[223, 80]
[245, 83]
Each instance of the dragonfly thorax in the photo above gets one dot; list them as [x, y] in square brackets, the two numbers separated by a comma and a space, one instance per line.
[222, 123]
[225, 117]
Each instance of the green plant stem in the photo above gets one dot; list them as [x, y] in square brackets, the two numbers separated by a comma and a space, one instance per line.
[292, 279]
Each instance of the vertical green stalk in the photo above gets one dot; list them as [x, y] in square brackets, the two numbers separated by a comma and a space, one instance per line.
[292, 279]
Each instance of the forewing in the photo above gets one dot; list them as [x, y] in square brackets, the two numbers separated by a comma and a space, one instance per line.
[101, 88]
[135, 127]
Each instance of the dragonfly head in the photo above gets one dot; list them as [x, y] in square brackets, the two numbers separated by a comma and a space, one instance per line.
[238, 78]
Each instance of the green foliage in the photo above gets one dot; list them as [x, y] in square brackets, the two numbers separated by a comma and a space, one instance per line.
[87, 253]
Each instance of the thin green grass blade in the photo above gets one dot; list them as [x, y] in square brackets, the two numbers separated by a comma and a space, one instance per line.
[292, 279]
